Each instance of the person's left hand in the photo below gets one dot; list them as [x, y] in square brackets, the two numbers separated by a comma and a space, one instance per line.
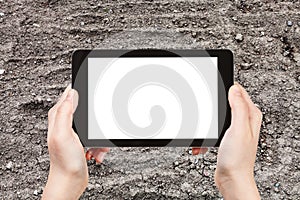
[68, 176]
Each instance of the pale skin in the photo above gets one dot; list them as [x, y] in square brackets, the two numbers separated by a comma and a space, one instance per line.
[234, 175]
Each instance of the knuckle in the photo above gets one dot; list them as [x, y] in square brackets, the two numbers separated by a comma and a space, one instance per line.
[63, 109]
[50, 112]
[258, 113]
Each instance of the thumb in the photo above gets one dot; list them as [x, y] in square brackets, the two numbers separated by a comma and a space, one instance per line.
[239, 108]
[64, 114]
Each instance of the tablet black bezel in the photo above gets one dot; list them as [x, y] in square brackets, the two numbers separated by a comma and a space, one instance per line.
[79, 60]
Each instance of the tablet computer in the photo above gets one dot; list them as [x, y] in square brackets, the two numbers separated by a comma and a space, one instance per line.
[152, 97]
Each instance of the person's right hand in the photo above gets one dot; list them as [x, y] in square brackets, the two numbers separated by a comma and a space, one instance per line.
[234, 175]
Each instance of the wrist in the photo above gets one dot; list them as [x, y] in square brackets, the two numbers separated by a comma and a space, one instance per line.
[64, 186]
[237, 187]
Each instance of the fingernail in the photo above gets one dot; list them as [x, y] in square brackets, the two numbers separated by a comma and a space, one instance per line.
[236, 90]
[70, 95]
[100, 158]
[88, 155]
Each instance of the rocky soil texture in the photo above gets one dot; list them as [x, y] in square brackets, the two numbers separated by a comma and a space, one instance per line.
[37, 39]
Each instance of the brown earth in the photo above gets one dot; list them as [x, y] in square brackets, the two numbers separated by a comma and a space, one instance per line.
[38, 37]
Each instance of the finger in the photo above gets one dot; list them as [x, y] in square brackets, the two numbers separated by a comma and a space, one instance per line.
[100, 157]
[64, 115]
[52, 111]
[75, 100]
[200, 150]
[239, 109]
[94, 152]
[255, 114]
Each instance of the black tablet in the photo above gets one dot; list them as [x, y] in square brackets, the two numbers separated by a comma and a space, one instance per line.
[152, 97]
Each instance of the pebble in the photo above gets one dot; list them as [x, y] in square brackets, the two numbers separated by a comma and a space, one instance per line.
[239, 37]
[296, 57]
[2, 71]
[82, 23]
[289, 23]
[194, 34]
[206, 173]
[36, 25]
[9, 165]
[204, 193]
[176, 163]
[35, 192]
[185, 186]
[277, 184]
[286, 53]
[39, 99]
[246, 66]
[10, 130]
[1, 14]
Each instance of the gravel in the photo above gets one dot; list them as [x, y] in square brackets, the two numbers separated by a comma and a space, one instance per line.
[36, 59]
[239, 37]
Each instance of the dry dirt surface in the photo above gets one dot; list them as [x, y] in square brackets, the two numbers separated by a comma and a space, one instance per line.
[37, 39]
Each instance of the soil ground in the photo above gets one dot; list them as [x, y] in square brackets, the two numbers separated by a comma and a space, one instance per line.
[37, 39]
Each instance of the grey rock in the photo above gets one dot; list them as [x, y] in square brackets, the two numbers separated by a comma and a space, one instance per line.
[239, 37]
[246, 66]
[289, 23]
[286, 53]
[9, 165]
[35, 192]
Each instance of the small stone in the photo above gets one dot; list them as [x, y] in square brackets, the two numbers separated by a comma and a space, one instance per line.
[206, 173]
[2, 71]
[35, 192]
[234, 19]
[1, 14]
[186, 186]
[49, 99]
[82, 23]
[176, 163]
[277, 184]
[289, 23]
[36, 25]
[10, 130]
[194, 34]
[193, 9]
[246, 66]
[204, 193]
[39, 99]
[296, 57]
[9, 165]
[239, 37]
[286, 53]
